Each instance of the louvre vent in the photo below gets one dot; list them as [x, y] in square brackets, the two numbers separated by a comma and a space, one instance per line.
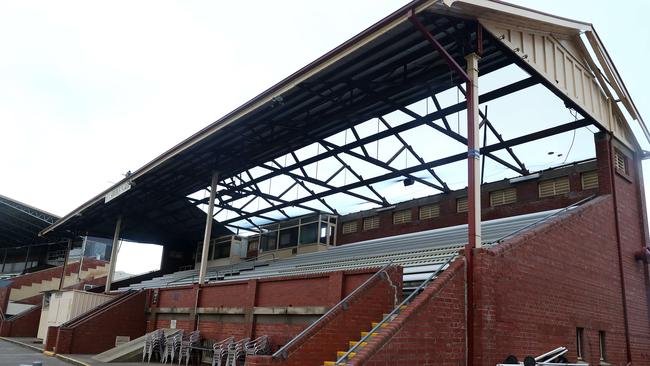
[429, 211]
[503, 197]
[621, 162]
[370, 223]
[350, 227]
[401, 217]
[461, 204]
[590, 180]
[554, 187]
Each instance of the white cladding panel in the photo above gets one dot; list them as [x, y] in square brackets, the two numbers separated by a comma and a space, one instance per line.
[66, 305]
[565, 67]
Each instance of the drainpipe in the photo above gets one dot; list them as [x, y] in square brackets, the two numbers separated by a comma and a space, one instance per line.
[612, 176]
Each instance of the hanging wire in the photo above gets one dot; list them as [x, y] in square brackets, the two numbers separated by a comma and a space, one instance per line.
[451, 83]
[573, 139]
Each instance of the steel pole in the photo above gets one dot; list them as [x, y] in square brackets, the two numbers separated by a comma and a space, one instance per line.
[473, 154]
[27, 258]
[473, 196]
[114, 253]
[208, 228]
[65, 264]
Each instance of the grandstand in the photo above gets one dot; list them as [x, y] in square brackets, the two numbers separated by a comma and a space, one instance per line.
[277, 224]
[419, 254]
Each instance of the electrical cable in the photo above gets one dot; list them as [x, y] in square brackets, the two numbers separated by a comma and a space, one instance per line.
[573, 139]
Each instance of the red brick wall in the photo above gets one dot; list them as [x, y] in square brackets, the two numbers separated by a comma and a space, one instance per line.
[430, 331]
[633, 237]
[313, 292]
[52, 337]
[23, 325]
[4, 298]
[340, 326]
[528, 201]
[97, 332]
[242, 297]
[536, 289]
[180, 297]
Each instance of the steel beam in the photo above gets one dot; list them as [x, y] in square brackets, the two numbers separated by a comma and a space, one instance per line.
[485, 121]
[28, 210]
[492, 95]
[440, 48]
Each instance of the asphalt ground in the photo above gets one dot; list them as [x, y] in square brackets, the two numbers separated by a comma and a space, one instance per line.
[15, 355]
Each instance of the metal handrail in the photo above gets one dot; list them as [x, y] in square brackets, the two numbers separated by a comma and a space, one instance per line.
[396, 310]
[501, 239]
[282, 352]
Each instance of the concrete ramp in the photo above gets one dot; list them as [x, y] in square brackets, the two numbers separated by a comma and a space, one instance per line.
[130, 351]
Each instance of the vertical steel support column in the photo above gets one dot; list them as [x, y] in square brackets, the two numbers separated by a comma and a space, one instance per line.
[473, 194]
[65, 264]
[473, 168]
[473, 153]
[81, 259]
[208, 229]
[4, 260]
[114, 253]
[27, 258]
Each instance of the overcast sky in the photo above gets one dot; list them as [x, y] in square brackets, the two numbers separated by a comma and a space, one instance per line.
[90, 90]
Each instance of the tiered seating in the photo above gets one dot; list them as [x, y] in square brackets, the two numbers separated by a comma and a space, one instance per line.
[419, 253]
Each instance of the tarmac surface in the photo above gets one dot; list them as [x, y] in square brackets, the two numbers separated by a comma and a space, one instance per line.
[15, 355]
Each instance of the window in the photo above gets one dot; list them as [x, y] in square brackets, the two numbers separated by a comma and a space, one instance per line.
[621, 162]
[401, 217]
[601, 345]
[589, 180]
[503, 197]
[429, 211]
[580, 343]
[461, 204]
[350, 227]
[370, 223]
[222, 251]
[554, 187]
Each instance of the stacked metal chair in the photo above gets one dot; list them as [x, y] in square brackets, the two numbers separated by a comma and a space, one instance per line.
[187, 342]
[151, 342]
[237, 352]
[159, 343]
[258, 346]
[220, 350]
[172, 347]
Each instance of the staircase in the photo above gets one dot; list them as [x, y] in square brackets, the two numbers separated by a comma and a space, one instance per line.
[25, 289]
[377, 327]
[363, 340]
